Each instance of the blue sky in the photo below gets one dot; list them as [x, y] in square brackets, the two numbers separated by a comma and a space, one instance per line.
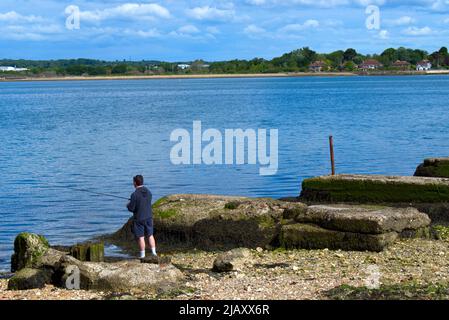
[175, 30]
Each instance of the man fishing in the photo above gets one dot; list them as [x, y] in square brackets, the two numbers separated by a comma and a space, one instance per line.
[140, 206]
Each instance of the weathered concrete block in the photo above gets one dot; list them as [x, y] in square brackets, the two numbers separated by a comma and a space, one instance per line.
[126, 275]
[28, 251]
[214, 222]
[306, 236]
[375, 189]
[28, 278]
[434, 167]
[364, 219]
[88, 252]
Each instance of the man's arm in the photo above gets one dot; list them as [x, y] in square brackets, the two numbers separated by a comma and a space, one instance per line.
[132, 203]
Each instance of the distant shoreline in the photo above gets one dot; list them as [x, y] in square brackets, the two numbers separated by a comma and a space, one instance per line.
[212, 76]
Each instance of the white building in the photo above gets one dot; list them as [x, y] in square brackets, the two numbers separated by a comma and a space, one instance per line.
[424, 65]
[183, 66]
[14, 69]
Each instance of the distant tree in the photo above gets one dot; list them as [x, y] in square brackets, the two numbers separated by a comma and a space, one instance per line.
[349, 54]
[119, 69]
[336, 59]
[388, 57]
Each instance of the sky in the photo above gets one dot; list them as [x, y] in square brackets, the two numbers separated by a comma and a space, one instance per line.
[214, 30]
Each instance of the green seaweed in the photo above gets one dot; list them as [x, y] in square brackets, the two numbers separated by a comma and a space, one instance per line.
[372, 191]
[232, 205]
[402, 291]
[441, 232]
[165, 214]
[160, 202]
[93, 252]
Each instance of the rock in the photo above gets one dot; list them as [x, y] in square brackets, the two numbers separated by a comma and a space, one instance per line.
[28, 278]
[375, 189]
[123, 276]
[91, 251]
[435, 167]
[364, 219]
[51, 258]
[156, 259]
[214, 222]
[28, 251]
[232, 260]
[306, 236]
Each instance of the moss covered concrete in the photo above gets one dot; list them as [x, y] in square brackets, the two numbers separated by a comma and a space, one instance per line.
[91, 251]
[28, 278]
[28, 250]
[375, 189]
[307, 236]
[214, 222]
[435, 167]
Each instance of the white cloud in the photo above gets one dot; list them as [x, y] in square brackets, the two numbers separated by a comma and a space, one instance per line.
[152, 33]
[254, 30]
[440, 5]
[415, 31]
[384, 34]
[127, 10]
[211, 13]
[256, 2]
[298, 27]
[188, 29]
[318, 3]
[213, 30]
[402, 21]
[13, 16]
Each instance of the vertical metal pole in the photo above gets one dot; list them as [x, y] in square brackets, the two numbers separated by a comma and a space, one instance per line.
[331, 147]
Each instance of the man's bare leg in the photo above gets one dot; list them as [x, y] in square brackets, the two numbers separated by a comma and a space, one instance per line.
[141, 243]
[152, 244]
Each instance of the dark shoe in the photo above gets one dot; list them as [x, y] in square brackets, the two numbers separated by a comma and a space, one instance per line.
[156, 260]
[150, 259]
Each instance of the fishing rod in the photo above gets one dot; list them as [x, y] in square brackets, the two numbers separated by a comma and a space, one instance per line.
[92, 192]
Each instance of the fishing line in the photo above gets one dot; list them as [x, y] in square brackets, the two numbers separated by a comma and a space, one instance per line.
[91, 192]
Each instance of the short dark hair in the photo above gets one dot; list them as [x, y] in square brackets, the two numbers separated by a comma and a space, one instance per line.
[138, 180]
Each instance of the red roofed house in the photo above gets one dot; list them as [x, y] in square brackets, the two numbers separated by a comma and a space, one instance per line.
[318, 66]
[403, 65]
[370, 64]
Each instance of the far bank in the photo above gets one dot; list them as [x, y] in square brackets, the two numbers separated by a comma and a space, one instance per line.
[240, 75]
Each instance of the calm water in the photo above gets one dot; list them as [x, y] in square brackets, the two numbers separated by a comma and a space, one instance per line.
[96, 135]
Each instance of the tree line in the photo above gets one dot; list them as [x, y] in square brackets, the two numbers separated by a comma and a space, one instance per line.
[295, 61]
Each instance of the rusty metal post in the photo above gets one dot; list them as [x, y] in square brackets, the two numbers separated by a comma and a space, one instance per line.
[331, 147]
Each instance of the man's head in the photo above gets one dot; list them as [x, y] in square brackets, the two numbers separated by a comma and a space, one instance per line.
[138, 181]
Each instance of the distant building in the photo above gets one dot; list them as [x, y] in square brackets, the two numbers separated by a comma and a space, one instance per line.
[403, 65]
[370, 64]
[318, 66]
[183, 66]
[423, 65]
[14, 69]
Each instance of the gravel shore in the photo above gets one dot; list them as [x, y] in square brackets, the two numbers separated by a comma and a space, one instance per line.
[410, 269]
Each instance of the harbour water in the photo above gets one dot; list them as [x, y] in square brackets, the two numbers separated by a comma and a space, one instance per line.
[96, 135]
